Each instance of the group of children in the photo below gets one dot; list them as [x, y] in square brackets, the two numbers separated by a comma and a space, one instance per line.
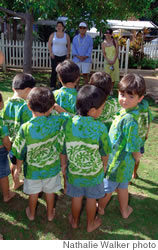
[92, 138]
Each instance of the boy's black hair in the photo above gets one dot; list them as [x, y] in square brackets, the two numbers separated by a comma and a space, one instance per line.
[23, 81]
[88, 97]
[132, 84]
[1, 98]
[40, 99]
[68, 71]
[102, 80]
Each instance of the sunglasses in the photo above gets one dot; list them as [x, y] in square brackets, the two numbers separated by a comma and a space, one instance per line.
[82, 28]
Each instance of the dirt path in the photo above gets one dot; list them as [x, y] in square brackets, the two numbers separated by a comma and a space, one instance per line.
[151, 79]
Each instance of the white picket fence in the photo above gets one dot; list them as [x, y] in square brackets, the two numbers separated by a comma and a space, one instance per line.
[151, 50]
[14, 53]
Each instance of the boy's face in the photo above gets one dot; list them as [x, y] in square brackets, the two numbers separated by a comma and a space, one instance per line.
[128, 101]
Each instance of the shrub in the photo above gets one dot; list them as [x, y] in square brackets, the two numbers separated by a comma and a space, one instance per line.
[144, 63]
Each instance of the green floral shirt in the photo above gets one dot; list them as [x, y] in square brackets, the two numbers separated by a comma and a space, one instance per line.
[15, 113]
[125, 140]
[111, 109]
[39, 143]
[3, 131]
[66, 98]
[86, 140]
[145, 118]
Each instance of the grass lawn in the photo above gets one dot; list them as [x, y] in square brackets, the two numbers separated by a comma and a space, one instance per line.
[143, 197]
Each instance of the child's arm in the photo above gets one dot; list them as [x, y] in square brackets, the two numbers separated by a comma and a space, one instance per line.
[7, 143]
[105, 161]
[137, 156]
[18, 168]
[58, 108]
[63, 160]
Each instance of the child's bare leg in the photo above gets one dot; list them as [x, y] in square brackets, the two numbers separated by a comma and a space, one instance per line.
[7, 194]
[103, 203]
[125, 209]
[50, 206]
[75, 211]
[134, 176]
[1, 237]
[16, 182]
[93, 222]
[31, 209]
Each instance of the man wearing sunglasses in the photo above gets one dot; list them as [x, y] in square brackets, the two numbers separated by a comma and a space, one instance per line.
[82, 46]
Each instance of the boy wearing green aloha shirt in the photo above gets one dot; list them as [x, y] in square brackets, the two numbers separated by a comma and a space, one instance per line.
[86, 148]
[126, 142]
[5, 146]
[112, 106]
[145, 118]
[16, 112]
[38, 145]
[69, 75]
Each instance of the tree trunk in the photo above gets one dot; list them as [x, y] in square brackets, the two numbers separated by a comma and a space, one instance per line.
[27, 66]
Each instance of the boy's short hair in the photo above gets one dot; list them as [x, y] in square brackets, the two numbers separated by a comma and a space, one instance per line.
[102, 80]
[40, 99]
[1, 98]
[23, 81]
[132, 84]
[68, 71]
[88, 97]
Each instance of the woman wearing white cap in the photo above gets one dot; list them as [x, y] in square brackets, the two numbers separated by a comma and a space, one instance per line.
[82, 46]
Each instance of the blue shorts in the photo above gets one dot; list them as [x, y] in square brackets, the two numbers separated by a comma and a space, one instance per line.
[142, 150]
[4, 163]
[95, 192]
[12, 158]
[110, 186]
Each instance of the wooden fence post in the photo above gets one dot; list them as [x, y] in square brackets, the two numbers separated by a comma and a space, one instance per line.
[3, 50]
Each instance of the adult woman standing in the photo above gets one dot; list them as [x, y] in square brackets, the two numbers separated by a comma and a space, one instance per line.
[110, 52]
[59, 49]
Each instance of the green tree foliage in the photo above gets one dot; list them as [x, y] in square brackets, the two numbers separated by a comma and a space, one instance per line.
[93, 12]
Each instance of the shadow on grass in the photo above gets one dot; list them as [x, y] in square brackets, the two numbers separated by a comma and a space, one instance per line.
[142, 224]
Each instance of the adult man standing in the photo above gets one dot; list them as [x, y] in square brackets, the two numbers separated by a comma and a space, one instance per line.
[82, 46]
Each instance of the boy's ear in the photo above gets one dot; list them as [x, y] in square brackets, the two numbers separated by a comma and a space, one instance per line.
[140, 99]
[29, 106]
[50, 110]
[91, 112]
[59, 78]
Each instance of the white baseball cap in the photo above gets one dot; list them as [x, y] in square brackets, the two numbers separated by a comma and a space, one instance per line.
[82, 24]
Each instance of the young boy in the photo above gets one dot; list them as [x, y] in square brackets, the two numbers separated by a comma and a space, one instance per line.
[145, 118]
[16, 112]
[5, 146]
[112, 106]
[87, 148]
[125, 140]
[38, 145]
[69, 75]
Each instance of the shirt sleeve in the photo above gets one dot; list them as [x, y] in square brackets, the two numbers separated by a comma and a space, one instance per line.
[19, 146]
[150, 116]
[131, 133]
[3, 129]
[74, 47]
[90, 47]
[24, 114]
[104, 143]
